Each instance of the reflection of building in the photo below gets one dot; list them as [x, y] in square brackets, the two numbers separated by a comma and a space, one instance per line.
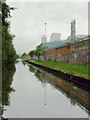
[43, 39]
[55, 37]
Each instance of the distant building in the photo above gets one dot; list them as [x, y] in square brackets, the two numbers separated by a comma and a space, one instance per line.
[73, 36]
[77, 37]
[43, 39]
[55, 37]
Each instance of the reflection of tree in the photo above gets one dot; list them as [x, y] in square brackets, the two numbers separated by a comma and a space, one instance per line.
[23, 63]
[31, 68]
[40, 77]
[7, 78]
[38, 74]
[17, 61]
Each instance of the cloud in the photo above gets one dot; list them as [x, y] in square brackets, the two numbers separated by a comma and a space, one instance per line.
[27, 21]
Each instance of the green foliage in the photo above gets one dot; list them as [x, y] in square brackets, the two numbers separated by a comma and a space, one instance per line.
[8, 51]
[37, 73]
[23, 55]
[37, 52]
[31, 68]
[5, 12]
[17, 56]
[32, 53]
[8, 55]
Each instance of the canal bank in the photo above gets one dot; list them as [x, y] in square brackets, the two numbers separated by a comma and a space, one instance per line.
[70, 77]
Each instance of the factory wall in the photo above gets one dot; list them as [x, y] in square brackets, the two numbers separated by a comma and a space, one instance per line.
[77, 53]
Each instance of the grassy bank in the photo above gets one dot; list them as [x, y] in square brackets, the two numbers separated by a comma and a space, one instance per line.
[75, 69]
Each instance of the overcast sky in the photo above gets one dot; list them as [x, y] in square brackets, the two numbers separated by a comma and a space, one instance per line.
[27, 21]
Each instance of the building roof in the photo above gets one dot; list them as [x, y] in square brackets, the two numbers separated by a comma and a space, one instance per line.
[58, 44]
[53, 44]
[77, 37]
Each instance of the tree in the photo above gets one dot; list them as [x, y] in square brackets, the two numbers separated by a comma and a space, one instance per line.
[8, 53]
[5, 11]
[8, 50]
[32, 53]
[23, 55]
[39, 50]
[17, 56]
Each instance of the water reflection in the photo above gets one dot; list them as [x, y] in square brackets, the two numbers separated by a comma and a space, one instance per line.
[23, 63]
[37, 95]
[75, 94]
[7, 79]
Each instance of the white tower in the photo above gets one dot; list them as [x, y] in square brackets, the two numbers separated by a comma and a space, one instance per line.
[43, 39]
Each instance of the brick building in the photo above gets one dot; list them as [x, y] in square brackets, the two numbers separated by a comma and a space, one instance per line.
[76, 51]
[49, 54]
[79, 51]
[60, 53]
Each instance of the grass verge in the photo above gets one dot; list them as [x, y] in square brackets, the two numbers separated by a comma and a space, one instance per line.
[75, 69]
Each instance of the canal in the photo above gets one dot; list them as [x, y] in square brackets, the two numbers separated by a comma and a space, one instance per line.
[39, 94]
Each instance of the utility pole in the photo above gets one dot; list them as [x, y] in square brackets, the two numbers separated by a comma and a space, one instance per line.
[45, 32]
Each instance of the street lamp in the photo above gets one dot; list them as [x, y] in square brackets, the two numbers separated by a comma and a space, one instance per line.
[45, 31]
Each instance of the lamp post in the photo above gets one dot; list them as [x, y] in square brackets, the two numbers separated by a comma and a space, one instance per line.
[45, 31]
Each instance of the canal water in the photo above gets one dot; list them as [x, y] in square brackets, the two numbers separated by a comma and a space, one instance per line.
[38, 94]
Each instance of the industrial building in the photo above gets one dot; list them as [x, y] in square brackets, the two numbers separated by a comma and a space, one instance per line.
[55, 37]
[74, 50]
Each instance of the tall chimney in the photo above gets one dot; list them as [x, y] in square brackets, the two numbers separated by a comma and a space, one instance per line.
[73, 30]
